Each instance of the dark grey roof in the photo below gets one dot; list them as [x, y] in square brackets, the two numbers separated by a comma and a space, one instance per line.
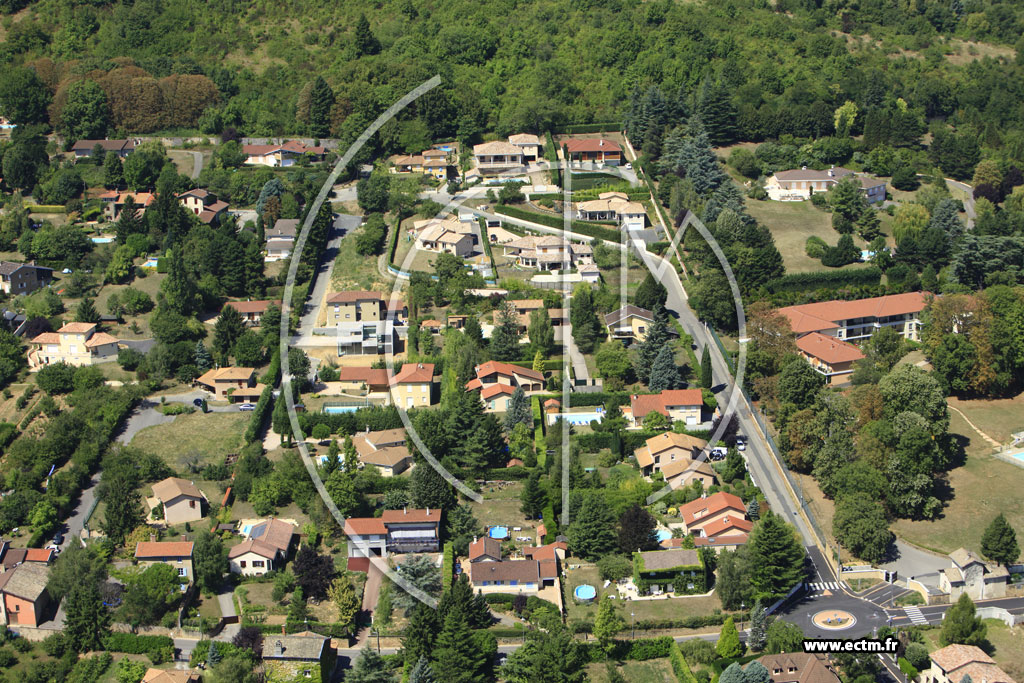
[617, 316]
[305, 647]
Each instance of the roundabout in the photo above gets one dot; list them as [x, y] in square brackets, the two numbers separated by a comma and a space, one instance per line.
[834, 620]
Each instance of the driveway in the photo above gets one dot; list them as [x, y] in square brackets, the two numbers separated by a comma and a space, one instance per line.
[343, 223]
[579, 363]
[913, 562]
[968, 200]
[197, 164]
[76, 522]
[225, 599]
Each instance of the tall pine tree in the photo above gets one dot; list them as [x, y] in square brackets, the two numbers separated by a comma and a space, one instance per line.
[999, 542]
[518, 410]
[648, 350]
[664, 372]
[706, 377]
[321, 101]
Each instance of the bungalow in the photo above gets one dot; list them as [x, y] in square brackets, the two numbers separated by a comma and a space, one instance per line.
[595, 150]
[23, 595]
[395, 531]
[858, 319]
[448, 236]
[613, 206]
[181, 499]
[497, 156]
[23, 278]
[666, 448]
[711, 512]
[629, 324]
[286, 154]
[221, 381]
[86, 148]
[684, 405]
[178, 554]
[413, 385]
[114, 201]
[831, 357]
[385, 450]
[496, 397]
[678, 570]
[548, 252]
[265, 549]
[529, 145]
[74, 344]
[505, 576]
[970, 574]
[953, 663]
[495, 372]
[203, 204]
[800, 667]
[253, 311]
[800, 184]
[297, 656]
[371, 380]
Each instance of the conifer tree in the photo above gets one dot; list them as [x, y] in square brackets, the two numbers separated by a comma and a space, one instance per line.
[366, 42]
[706, 377]
[321, 101]
[999, 542]
[420, 634]
[518, 410]
[648, 350]
[608, 623]
[226, 331]
[505, 338]
[203, 359]
[532, 497]
[758, 635]
[453, 656]
[212, 655]
[729, 645]
[422, 673]
[429, 489]
[541, 332]
[86, 312]
[962, 625]
[586, 328]
[776, 556]
[664, 372]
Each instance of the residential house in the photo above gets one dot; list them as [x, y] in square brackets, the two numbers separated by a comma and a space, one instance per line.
[407, 163]
[594, 150]
[548, 252]
[363, 379]
[356, 306]
[281, 238]
[953, 662]
[682, 405]
[972, 575]
[113, 202]
[265, 549]
[497, 156]
[413, 385]
[297, 656]
[857, 320]
[505, 576]
[23, 595]
[74, 344]
[529, 145]
[629, 324]
[435, 163]
[396, 531]
[671, 571]
[447, 236]
[23, 278]
[680, 473]
[373, 337]
[284, 154]
[385, 450]
[719, 514]
[203, 204]
[181, 499]
[85, 148]
[799, 667]
[665, 448]
[496, 372]
[253, 311]
[831, 357]
[365, 321]
[496, 397]
[485, 549]
[171, 676]
[178, 554]
[11, 557]
[613, 206]
[224, 382]
[800, 184]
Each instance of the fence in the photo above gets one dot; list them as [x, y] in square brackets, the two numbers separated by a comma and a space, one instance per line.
[778, 603]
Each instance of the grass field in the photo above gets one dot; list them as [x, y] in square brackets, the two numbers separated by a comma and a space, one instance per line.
[651, 671]
[982, 488]
[791, 224]
[353, 271]
[1008, 645]
[210, 436]
[999, 418]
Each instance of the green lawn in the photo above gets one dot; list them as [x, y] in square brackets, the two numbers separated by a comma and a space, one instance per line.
[791, 224]
[353, 271]
[999, 418]
[651, 671]
[210, 437]
[982, 488]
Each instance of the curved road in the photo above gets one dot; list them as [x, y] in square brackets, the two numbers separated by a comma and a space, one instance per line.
[197, 164]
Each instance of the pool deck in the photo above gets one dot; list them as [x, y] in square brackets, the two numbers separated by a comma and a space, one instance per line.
[1014, 457]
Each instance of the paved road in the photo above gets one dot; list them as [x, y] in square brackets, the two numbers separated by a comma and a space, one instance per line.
[76, 522]
[342, 224]
[913, 562]
[579, 363]
[968, 200]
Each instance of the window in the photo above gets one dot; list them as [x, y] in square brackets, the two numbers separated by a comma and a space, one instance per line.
[242, 564]
[258, 563]
[192, 504]
[423, 388]
[181, 571]
[513, 582]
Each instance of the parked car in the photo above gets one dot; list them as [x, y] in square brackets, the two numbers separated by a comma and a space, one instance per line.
[197, 402]
[741, 443]
[628, 167]
[246, 406]
[718, 453]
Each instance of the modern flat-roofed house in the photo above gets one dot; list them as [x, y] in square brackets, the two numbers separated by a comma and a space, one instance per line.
[219, 381]
[629, 324]
[203, 204]
[666, 448]
[74, 344]
[252, 311]
[495, 372]
[355, 306]
[181, 498]
[413, 385]
[857, 320]
[114, 201]
[799, 667]
[970, 574]
[23, 595]
[529, 144]
[683, 405]
[497, 156]
[613, 206]
[953, 662]
[548, 252]
[178, 554]
[265, 549]
[284, 154]
[799, 184]
[832, 357]
[85, 148]
[297, 656]
[596, 150]
[384, 449]
[23, 278]
[367, 538]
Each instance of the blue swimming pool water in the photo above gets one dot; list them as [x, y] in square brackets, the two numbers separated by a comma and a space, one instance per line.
[581, 418]
[335, 410]
[102, 240]
[1018, 456]
[498, 532]
[585, 592]
[150, 263]
[663, 535]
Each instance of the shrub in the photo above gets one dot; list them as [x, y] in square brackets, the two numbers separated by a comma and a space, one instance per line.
[909, 669]
[159, 649]
[55, 645]
[815, 246]
[7, 658]
[614, 567]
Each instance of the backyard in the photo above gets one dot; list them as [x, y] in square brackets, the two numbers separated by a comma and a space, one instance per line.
[652, 671]
[207, 437]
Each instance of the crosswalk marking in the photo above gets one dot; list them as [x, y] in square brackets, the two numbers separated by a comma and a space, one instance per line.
[824, 585]
[916, 617]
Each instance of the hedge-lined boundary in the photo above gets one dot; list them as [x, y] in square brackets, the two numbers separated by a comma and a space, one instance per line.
[259, 414]
[581, 128]
[159, 649]
[679, 665]
[448, 567]
[44, 208]
[549, 365]
[825, 279]
[551, 154]
[589, 229]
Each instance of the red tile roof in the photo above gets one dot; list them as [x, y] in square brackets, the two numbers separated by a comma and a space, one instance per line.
[157, 549]
[252, 306]
[711, 505]
[378, 376]
[591, 145]
[411, 515]
[828, 349]
[496, 367]
[728, 523]
[365, 526]
[414, 373]
[351, 297]
[824, 315]
[546, 552]
[641, 404]
[492, 390]
[485, 546]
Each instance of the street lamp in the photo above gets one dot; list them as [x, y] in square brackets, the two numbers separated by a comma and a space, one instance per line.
[743, 606]
[632, 627]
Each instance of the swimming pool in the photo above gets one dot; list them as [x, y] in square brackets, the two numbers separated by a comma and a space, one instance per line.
[150, 263]
[499, 532]
[578, 419]
[664, 535]
[102, 240]
[337, 410]
[585, 592]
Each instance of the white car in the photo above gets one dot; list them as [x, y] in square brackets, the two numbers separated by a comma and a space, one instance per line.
[628, 167]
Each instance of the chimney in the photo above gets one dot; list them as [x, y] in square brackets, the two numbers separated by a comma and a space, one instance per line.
[600, 143]
[803, 168]
[428, 512]
[282, 631]
[152, 538]
[183, 538]
[405, 510]
[279, 647]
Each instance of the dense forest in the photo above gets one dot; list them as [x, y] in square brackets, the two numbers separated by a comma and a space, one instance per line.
[512, 66]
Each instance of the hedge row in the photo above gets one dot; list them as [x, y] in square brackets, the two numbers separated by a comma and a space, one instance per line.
[259, 414]
[597, 398]
[532, 601]
[825, 278]
[273, 374]
[694, 622]
[549, 365]
[330, 630]
[589, 229]
[636, 650]
[448, 567]
[516, 472]
[581, 128]
[159, 649]
[224, 649]
[551, 154]
[679, 665]
[44, 208]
